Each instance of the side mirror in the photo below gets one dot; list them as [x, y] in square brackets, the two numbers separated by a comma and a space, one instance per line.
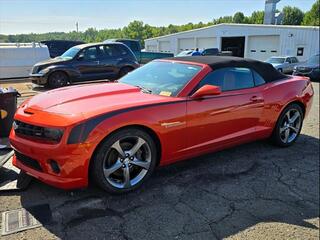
[80, 57]
[206, 90]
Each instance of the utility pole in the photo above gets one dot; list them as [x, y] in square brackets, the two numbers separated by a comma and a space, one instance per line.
[77, 26]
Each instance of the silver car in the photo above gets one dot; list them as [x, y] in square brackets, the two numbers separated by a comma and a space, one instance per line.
[283, 64]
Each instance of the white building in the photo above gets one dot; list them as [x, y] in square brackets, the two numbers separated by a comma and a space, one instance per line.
[245, 40]
[17, 59]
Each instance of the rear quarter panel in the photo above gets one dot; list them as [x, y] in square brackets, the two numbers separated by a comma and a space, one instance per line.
[279, 94]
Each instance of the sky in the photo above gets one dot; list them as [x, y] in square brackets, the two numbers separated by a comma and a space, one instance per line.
[38, 16]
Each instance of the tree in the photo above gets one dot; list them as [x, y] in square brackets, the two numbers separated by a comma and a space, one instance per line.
[134, 30]
[292, 16]
[312, 18]
[225, 19]
[257, 17]
[238, 17]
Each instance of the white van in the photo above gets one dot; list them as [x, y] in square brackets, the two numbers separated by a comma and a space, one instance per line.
[17, 59]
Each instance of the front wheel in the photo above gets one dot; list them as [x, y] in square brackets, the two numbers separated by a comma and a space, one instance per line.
[288, 126]
[57, 79]
[124, 160]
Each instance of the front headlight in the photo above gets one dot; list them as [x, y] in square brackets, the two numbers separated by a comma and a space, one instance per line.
[45, 133]
[53, 134]
[44, 71]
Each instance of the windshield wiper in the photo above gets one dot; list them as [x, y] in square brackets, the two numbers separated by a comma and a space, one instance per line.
[144, 89]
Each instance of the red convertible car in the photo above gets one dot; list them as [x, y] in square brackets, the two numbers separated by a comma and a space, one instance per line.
[163, 112]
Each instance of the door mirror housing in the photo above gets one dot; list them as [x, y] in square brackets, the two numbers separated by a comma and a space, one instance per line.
[206, 90]
[80, 57]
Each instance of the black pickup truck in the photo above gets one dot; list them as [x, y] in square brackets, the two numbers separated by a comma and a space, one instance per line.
[142, 56]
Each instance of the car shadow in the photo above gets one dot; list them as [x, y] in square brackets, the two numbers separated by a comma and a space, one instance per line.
[209, 197]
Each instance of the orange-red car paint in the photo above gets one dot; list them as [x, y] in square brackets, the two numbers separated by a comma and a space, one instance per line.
[184, 127]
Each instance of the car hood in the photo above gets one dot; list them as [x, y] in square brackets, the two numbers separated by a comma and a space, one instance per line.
[276, 64]
[308, 65]
[51, 61]
[91, 100]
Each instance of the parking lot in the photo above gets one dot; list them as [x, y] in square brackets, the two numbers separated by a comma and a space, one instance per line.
[253, 191]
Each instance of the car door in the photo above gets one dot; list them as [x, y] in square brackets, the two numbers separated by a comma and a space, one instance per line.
[294, 62]
[109, 60]
[287, 65]
[229, 117]
[87, 64]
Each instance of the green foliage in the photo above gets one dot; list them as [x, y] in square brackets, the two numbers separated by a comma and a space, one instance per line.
[312, 18]
[238, 17]
[292, 16]
[257, 17]
[225, 19]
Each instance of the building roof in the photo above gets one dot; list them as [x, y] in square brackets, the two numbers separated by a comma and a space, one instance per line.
[266, 70]
[239, 25]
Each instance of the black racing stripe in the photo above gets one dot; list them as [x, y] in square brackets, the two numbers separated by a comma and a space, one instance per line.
[80, 132]
[75, 134]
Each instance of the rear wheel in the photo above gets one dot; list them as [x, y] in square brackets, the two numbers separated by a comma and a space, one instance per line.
[124, 71]
[288, 126]
[57, 79]
[124, 161]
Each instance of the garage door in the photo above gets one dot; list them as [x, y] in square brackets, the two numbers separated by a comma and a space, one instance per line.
[210, 42]
[263, 47]
[151, 48]
[186, 44]
[164, 46]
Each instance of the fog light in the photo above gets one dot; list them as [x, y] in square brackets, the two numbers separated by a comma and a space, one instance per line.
[54, 166]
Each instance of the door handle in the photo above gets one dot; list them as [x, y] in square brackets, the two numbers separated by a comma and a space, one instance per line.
[256, 99]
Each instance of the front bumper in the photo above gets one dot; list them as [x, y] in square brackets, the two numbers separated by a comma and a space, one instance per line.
[38, 78]
[313, 74]
[73, 161]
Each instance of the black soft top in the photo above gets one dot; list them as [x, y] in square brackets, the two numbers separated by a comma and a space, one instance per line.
[266, 70]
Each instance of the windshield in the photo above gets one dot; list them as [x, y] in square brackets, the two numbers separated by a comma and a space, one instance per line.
[275, 60]
[161, 78]
[314, 59]
[71, 53]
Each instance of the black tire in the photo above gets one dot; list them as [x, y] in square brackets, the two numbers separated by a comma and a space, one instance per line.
[57, 79]
[278, 134]
[106, 158]
[124, 71]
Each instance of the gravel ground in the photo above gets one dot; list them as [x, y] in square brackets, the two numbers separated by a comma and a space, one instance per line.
[254, 191]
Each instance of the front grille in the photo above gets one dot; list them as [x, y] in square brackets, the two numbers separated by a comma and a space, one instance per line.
[304, 70]
[28, 161]
[34, 70]
[29, 130]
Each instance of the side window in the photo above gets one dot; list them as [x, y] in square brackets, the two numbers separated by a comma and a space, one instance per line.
[121, 50]
[108, 51]
[89, 54]
[288, 60]
[229, 79]
[127, 43]
[258, 80]
[214, 78]
[294, 60]
[135, 46]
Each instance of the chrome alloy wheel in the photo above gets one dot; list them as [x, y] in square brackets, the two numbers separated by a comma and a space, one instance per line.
[127, 162]
[290, 126]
